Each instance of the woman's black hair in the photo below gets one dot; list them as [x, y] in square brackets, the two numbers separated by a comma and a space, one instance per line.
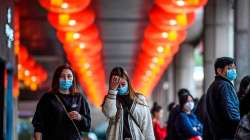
[171, 106]
[55, 81]
[156, 108]
[183, 99]
[244, 87]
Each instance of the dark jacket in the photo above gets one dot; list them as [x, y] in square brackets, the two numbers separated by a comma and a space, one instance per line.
[52, 121]
[200, 110]
[172, 134]
[222, 110]
[245, 105]
[185, 126]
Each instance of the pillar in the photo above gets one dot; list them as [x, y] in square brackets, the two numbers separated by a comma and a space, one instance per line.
[184, 68]
[242, 38]
[218, 35]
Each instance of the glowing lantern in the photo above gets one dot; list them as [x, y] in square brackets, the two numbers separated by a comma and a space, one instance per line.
[80, 48]
[64, 6]
[88, 34]
[156, 36]
[158, 50]
[180, 6]
[167, 20]
[23, 54]
[72, 22]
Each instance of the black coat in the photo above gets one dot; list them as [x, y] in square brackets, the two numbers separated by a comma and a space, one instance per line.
[52, 121]
[245, 105]
[222, 110]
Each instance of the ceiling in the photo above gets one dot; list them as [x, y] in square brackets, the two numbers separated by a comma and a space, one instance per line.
[121, 24]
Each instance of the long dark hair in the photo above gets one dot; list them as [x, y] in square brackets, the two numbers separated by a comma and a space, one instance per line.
[119, 71]
[244, 87]
[55, 82]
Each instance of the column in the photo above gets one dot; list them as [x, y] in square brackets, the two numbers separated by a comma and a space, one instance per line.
[184, 68]
[218, 35]
[242, 38]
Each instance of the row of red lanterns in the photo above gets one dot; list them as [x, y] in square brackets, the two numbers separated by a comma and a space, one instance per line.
[169, 20]
[30, 73]
[74, 22]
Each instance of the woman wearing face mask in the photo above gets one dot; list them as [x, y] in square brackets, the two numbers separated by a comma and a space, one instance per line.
[128, 113]
[62, 113]
[187, 125]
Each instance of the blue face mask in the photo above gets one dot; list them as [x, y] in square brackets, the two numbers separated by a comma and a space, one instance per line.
[231, 74]
[65, 84]
[123, 90]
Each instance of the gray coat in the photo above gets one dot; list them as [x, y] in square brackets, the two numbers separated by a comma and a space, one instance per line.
[140, 111]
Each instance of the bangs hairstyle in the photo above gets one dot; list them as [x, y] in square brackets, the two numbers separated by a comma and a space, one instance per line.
[183, 99]
[119, 71]
[55, 82]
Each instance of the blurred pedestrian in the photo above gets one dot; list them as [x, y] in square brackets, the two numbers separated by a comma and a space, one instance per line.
[244, 95]
[187, 125]
[172, 134]
[157, 112]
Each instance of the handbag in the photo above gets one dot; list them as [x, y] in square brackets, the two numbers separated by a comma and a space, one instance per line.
[65, 110]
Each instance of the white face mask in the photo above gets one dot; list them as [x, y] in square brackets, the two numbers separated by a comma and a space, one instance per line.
[189, 106]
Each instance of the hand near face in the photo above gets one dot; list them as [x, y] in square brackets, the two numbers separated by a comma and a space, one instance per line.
[74, 115]
[114, 83]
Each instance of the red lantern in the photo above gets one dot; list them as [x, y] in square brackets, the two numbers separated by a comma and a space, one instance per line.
[82, 48]
[180, 6]
[23, 54]
[64, 6]
[88, 34]
[157, 50]
[157, 36]
[72, 22]
[167, 20]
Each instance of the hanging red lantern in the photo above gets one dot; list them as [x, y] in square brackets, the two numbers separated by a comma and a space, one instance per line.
[64, 6]
[157, 36]
[72, 22]
[88, 34]
[23, 54]
[167, 20]
[180, 6]
[157, 50]
[84, 48]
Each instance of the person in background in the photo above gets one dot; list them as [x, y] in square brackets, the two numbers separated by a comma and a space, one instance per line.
[157, 112]
[172, 134]
[128, 113]
[244, 95]
[187, 125]
[51, 121]
[222, 104]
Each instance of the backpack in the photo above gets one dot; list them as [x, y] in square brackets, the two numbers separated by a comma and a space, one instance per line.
[243, 130]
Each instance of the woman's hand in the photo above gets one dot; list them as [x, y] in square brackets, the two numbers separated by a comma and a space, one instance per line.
[114, 83]
[37, 136]
[74, 115]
